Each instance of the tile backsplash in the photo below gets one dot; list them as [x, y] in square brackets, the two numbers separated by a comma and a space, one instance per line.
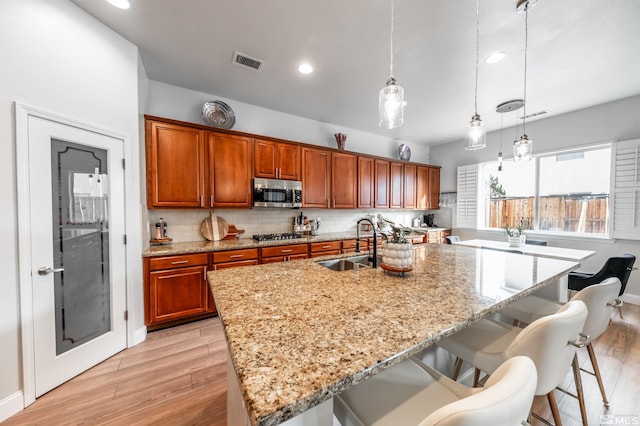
[183, 225]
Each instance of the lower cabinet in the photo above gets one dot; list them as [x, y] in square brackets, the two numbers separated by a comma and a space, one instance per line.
[176, 288]
[325, 248]
[234, 258]
[349, 246]
[284, 253]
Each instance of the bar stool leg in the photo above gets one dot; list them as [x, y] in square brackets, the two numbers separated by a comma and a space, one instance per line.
[596, 370]
[456, 372]
[578, 379]
[554, 408]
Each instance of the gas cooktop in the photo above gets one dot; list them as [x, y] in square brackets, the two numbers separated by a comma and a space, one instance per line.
[283, 236]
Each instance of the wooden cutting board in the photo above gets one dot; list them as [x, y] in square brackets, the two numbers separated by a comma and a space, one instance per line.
[214, 228]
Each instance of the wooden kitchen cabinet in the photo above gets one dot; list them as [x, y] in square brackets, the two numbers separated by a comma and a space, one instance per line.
[428, 187]
[325, 248]
[434, 188]
[382, 184]
[176, 289]
[191, 167]
[344, 177]
[230, 160]
[176, 165]
[409, 186]
[284, 253]
[234, 258]
[276, 160]
[396, 198]
[316, 178]
[349, 246]
[366, 182]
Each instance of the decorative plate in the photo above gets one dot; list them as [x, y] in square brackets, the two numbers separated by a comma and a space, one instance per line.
[404, 152]
[218, 114]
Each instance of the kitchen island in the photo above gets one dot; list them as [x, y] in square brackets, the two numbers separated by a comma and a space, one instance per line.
[298, 334]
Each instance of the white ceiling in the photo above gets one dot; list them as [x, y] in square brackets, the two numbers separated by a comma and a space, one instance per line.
[581, 53]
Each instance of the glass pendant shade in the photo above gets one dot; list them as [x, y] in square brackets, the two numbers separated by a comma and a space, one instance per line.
[391, 105]
[475, 136]
[500, 161]
[522, 149]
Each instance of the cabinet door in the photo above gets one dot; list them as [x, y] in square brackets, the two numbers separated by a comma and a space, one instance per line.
[410, 172]
[382, 184]
[266, 159]
[422, 187]
[316, 167]
[366, 183]
[237, 264]
[396, 198]
[288, 161]
[175, 165]
[230, 160]
[344, 180]
[434, 188]
[177, 293]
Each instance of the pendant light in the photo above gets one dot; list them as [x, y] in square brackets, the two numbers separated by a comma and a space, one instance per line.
[475, 136]
[523, 147]
[512, 105]
[391, 98]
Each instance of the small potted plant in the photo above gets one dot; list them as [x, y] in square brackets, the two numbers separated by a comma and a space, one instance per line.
[515, 236]
[397, 251]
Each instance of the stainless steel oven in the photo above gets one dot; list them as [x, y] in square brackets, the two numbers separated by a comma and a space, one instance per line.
[277, 193]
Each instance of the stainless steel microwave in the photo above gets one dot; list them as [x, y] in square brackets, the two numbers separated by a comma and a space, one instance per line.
[277, 193]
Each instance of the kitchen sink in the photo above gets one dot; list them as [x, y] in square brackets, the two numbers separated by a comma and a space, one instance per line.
[346, 264]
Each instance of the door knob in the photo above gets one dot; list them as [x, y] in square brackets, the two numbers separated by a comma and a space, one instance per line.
[45, 270]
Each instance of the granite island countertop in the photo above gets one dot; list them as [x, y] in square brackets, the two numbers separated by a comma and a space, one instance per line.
[299, 333]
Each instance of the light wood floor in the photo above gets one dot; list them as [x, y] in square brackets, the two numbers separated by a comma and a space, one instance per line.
[178, 377]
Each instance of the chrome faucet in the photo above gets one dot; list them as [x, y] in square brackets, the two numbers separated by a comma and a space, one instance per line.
[374, 259]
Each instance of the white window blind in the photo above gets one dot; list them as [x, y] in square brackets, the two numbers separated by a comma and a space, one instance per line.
[467, 208]
[626, 193]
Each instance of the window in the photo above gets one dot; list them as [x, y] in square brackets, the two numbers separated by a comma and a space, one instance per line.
[564, 192]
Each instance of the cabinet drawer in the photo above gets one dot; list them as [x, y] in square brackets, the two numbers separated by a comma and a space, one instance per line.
[351, 244]
[172, 262]
[326, 246]
[326, 253]
[234, 255]
[284, 250]
[236, 264]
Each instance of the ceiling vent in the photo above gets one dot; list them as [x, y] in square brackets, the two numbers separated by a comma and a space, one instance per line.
[535, 114]
[247, 61]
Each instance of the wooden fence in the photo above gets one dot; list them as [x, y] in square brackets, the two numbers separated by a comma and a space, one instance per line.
[569, 213]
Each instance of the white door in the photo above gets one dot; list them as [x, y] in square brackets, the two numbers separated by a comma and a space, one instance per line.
[77, 250]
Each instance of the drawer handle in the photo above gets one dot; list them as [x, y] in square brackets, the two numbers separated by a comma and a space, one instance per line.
[236, 255]
[178, 262]
[286, 251]
[326, 246]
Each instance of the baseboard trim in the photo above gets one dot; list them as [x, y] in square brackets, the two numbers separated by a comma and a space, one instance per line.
[139, 336]
[631, 298]
[11, 405]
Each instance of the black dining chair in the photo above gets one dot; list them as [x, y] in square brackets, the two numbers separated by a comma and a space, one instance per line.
[452, 239]
[619, 267]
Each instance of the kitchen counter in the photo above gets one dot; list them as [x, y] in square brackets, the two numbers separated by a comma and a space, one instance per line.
[207, 246]
[299, 334]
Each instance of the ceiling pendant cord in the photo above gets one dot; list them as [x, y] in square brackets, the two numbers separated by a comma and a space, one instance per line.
[523, 147]
[475, 135]
[391, 97]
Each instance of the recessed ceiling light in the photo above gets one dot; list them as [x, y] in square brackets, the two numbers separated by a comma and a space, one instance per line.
[495, 57]
[122, 4]
[305, 68]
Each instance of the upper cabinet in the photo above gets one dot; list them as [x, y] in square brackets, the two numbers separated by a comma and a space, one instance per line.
[176, 165]
[344, 180]
[366, 183]
[382, 184]
[428, 187]
[316, 182]
[191, 167]
[230, 160]
[276, 160]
